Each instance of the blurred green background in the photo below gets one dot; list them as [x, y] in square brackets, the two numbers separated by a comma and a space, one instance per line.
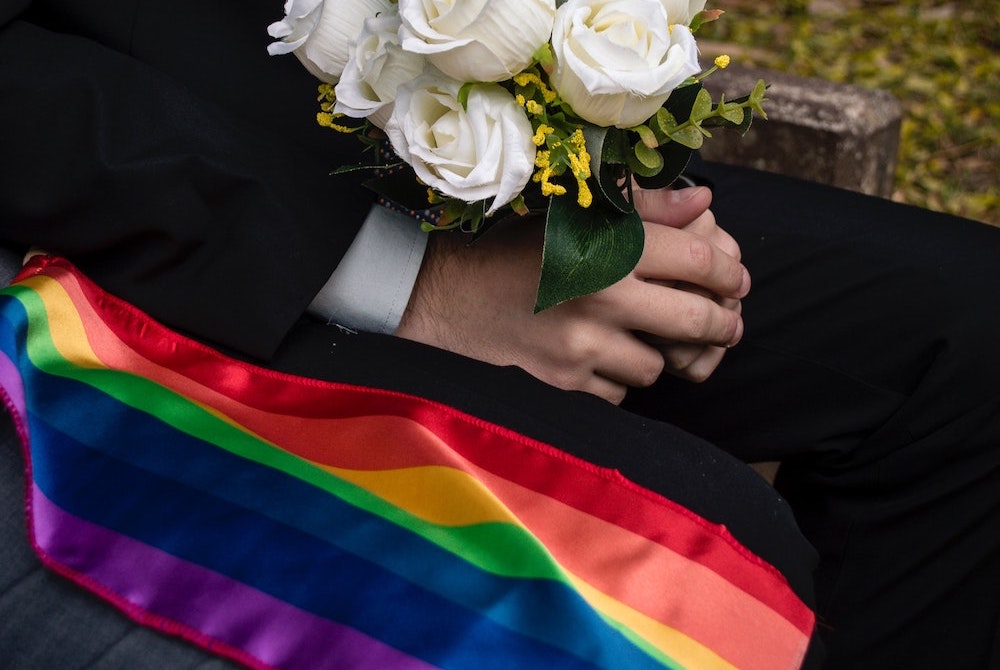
[940, 59]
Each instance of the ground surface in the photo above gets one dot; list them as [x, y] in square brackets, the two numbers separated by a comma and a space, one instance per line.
[940, 58]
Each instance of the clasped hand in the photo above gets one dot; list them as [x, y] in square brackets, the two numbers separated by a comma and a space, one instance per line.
[676, 312]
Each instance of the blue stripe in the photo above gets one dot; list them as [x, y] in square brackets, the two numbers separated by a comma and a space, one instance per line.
[292, 560]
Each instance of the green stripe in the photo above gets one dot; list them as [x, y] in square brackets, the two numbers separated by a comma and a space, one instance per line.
[501, 548]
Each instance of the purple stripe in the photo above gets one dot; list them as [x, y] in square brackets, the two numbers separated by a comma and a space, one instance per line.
[10, 380]
[205, 601]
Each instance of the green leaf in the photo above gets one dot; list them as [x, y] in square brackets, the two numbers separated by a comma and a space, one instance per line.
[681, 101]
[665, 122]
[702, 107]
[586, 250]
[645, 161]
[728, 118]
[647, 136]
[463, 94]
[609, 151]
[675, 159]
[703, 17]
[757, 98]
[689, 136]
[732, 113]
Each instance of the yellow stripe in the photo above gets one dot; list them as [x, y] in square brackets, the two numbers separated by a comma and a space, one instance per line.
[687, 651]
[451, 497]
[436, 493]
[69, 337]
[68, 333]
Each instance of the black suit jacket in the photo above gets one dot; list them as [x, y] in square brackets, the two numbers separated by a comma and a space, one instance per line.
[159, 147]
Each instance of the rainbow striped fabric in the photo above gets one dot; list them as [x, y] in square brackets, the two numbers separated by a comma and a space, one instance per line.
[290, 523]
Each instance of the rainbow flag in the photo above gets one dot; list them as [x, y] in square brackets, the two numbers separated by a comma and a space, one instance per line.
[290, 523]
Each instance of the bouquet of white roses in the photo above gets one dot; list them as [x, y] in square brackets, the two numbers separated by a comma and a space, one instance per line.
[503, 106]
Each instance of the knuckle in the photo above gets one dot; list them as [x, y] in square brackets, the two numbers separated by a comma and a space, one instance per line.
[700, 255]
[578, 346]
[699, 320]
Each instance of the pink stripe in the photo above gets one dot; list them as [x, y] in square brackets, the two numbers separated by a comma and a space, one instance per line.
[206, 607]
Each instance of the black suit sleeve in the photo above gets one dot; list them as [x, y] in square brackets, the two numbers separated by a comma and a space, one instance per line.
[180, 168]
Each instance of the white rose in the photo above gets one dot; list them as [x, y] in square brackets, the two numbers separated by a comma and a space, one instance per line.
[376, 68]
[682, 11]
[481, 151]
[476, 40]
[320, 33]
[618, 60]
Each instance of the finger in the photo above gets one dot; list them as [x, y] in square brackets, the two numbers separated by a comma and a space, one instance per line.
[686, 208]
[679, 255]
[680, 356]
[677, 315]
[694, 363]
[630, 361]
[672, 207]
[707, 226]
[610, 390]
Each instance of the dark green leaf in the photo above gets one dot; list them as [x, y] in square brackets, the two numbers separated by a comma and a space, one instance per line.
[681, 101]
[609, 150]
[586, 250]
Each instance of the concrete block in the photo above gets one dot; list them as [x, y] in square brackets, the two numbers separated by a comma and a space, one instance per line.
[836, 134]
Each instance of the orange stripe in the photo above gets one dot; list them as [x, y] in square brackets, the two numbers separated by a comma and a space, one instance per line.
[557, 525]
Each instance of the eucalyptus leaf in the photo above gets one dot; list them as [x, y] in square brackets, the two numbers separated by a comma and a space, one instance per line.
[647, 136]
[733, 113]
[651, 158]
[664, 123]
[586, 250]
[681, 101]
[689, 136]
[645, 161]
[702, 107]
[675, 159]
[723, 122]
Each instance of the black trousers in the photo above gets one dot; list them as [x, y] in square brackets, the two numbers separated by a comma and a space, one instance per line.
[869, 368]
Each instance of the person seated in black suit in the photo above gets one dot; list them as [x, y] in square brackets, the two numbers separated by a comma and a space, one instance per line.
[159, 148]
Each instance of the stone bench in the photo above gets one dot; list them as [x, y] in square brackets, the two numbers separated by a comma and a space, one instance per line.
[835, 134]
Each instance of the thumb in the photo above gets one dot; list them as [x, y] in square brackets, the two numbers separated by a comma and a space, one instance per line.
[672, 207]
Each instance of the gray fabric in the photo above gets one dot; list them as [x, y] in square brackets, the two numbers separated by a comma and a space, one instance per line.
[49, 623]
[10, 263]
[46, 621]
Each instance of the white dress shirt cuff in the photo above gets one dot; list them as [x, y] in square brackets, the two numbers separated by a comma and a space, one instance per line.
[371, 286]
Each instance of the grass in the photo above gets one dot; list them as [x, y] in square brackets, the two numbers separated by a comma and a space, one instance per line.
[940, 59]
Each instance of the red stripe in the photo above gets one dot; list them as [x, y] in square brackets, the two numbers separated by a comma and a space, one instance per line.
[487, 445]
